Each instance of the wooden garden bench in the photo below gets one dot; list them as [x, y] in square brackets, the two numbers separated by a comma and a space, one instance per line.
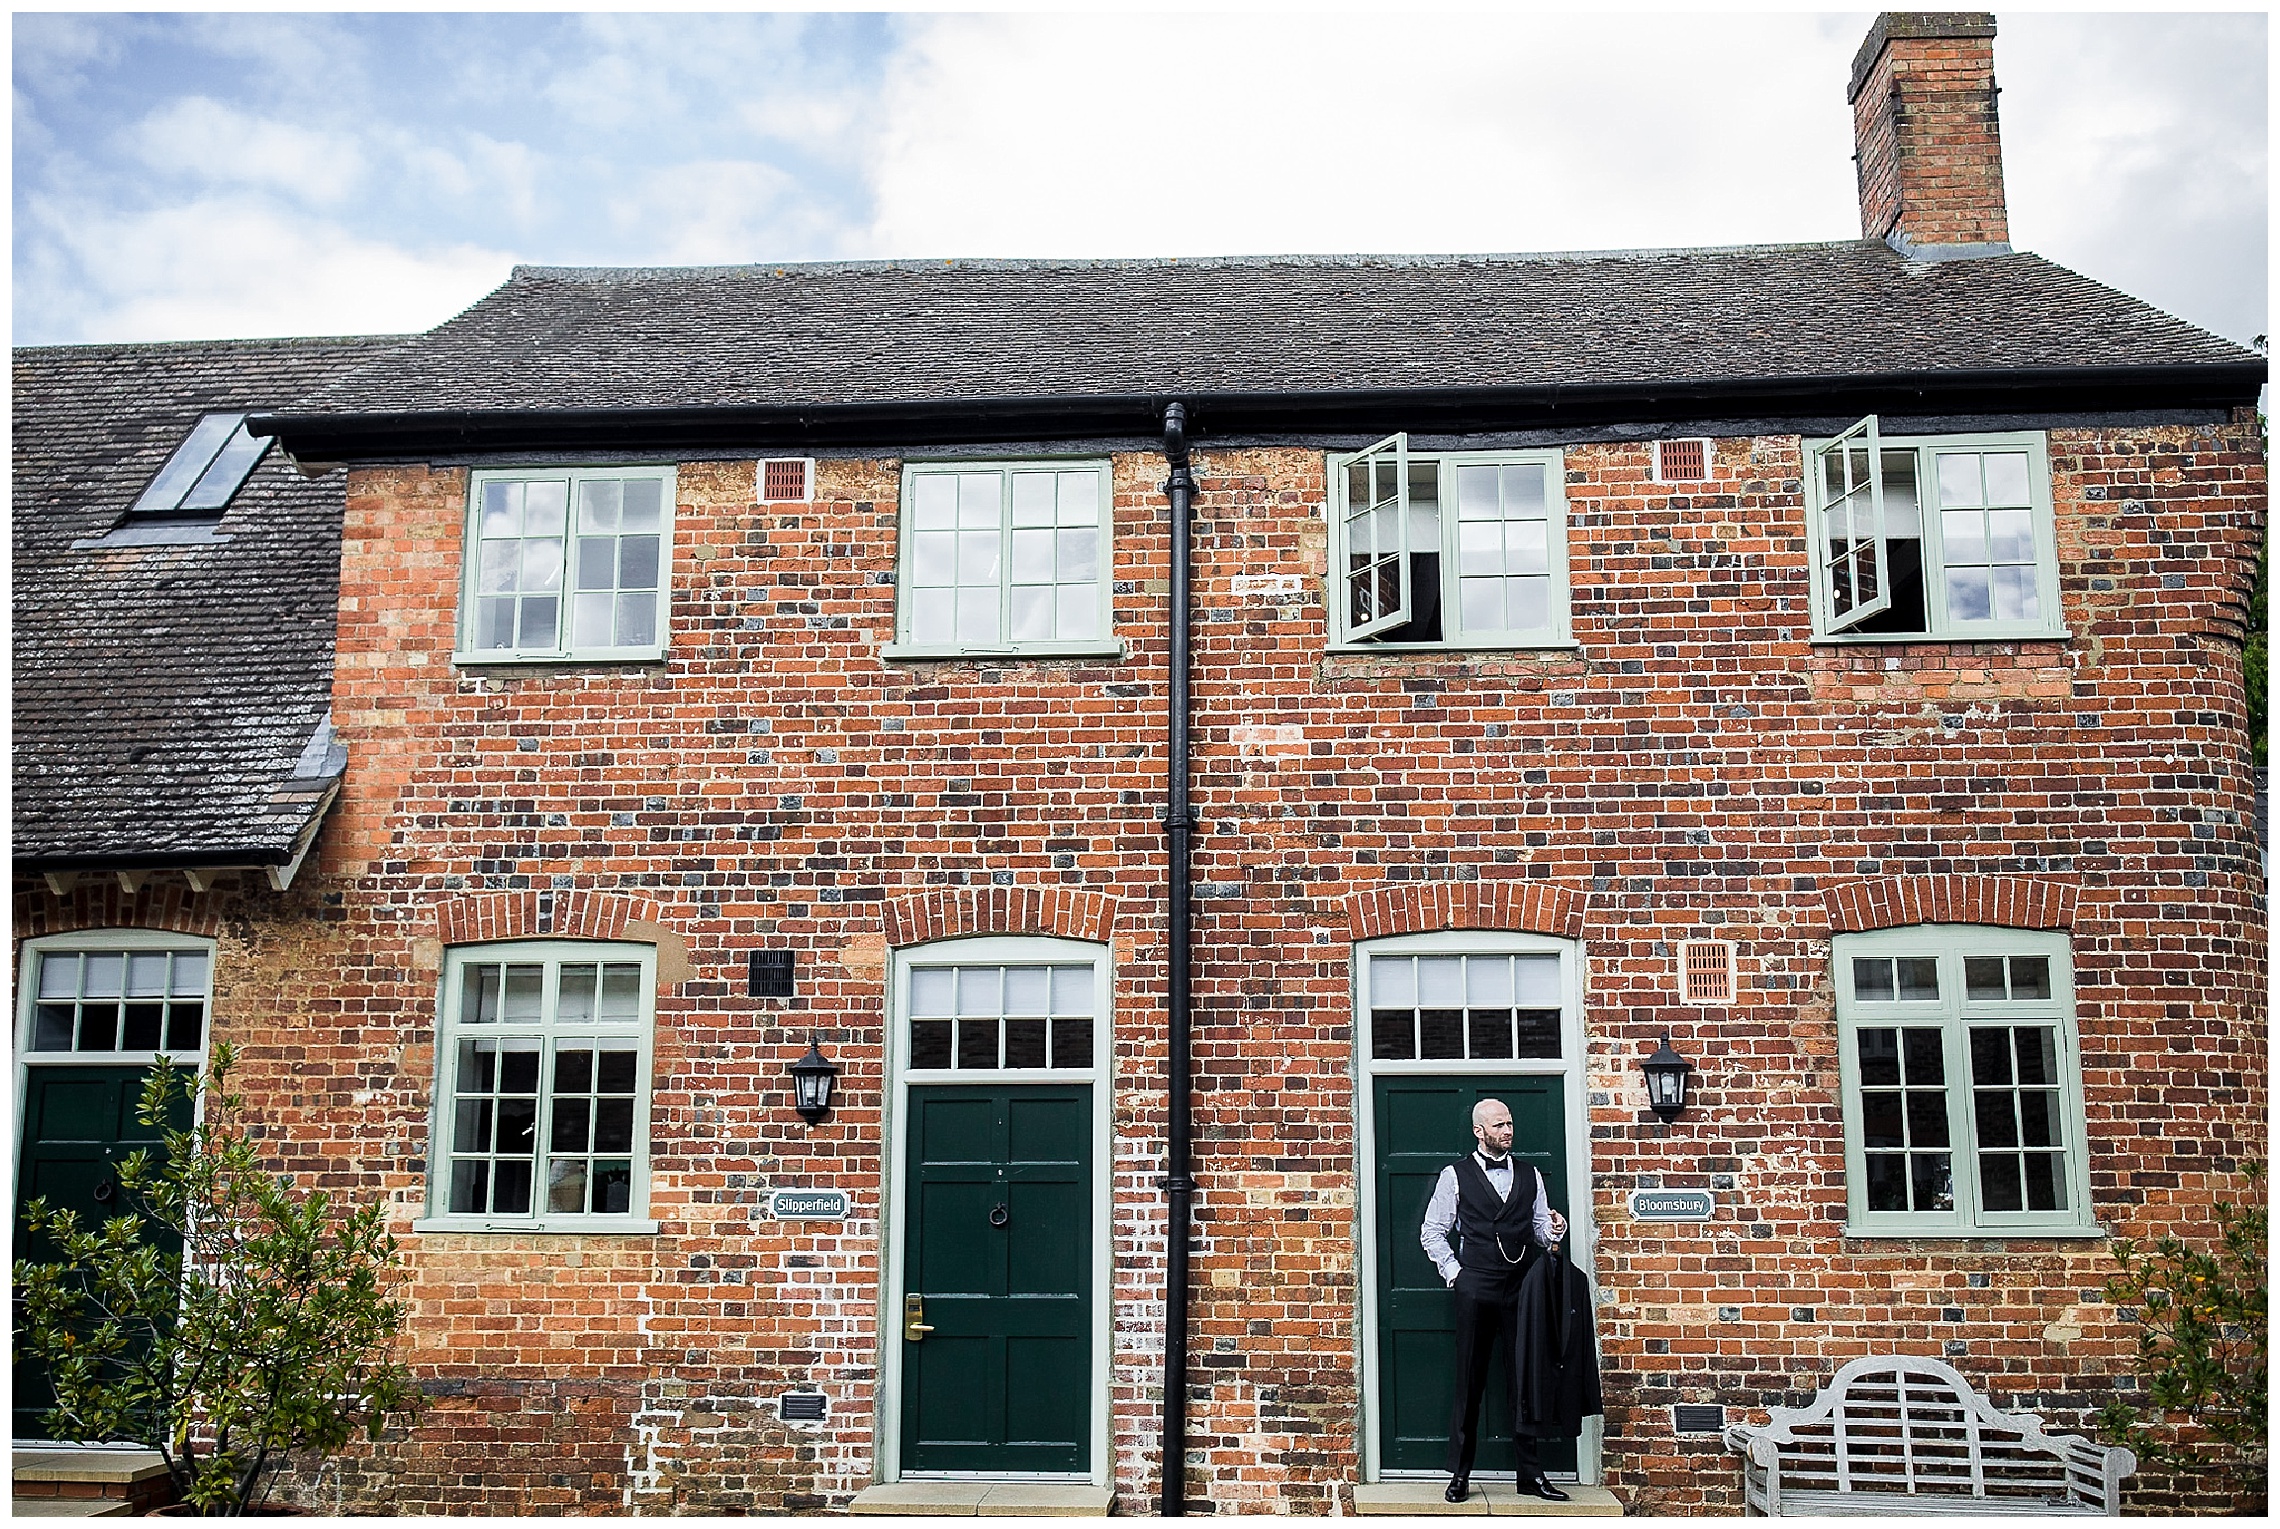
[1906, 1435]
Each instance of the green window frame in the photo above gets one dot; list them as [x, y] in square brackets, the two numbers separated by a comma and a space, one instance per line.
[124, 996]
[567, 564]
[541, 1117]
[1005, 558]
[1952, 540]
[1961, 1072]
[1450, 549]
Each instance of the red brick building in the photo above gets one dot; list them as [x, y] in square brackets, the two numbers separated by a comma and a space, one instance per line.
[1827, 657]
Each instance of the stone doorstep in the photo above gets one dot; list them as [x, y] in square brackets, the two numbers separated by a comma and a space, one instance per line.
[121, 1468]
[1422, 1499]
[70, 1507]
[985, 1499]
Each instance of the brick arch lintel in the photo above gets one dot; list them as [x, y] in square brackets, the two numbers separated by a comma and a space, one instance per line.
[479, 917]
[1423, 907]
[952, 912]
[1891, 902]
[107, 905]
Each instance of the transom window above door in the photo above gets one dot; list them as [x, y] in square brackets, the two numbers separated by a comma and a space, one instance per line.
[1448, 549]
[102, 999]
[1432, 1001]
[1002, 1005]
[1004, 558]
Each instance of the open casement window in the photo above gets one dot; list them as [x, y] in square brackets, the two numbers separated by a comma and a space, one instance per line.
[1962, 1083]
[1853, 554]
[542, 1096]
[570, 564]
[1377, 538]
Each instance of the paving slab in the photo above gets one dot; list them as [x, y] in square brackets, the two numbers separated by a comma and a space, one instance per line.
[1422, 1499]
[121, 1467]
[1047, 1499]
[922, 1499]
[70, 1507]
[985, 1499]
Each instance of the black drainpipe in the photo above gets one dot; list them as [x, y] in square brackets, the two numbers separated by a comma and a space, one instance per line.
[1179, 824]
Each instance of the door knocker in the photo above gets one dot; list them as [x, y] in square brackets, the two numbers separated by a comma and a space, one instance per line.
[999, 1215]
[106, 1192]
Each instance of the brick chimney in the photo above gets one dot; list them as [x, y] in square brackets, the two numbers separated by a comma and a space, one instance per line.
[1926, 142]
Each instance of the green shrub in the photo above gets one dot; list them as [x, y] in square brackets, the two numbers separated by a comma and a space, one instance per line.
[2202, 1351]
[272, 1330]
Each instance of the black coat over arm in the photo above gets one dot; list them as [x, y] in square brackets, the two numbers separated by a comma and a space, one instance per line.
[1558, 1384]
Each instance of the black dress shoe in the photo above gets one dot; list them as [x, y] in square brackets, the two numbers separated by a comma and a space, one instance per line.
[1540, 1487]
[1458, 1490]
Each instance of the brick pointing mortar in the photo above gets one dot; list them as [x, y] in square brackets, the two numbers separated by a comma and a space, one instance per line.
[1696, 768]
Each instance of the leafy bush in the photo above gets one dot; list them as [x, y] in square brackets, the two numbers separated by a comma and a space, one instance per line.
[271, 1331]
[2202, 1351]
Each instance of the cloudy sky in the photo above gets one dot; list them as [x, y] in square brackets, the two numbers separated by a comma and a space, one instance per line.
[191, 176]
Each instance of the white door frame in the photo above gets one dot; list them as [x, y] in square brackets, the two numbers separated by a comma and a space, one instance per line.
[1583, 1232]
[985, 950]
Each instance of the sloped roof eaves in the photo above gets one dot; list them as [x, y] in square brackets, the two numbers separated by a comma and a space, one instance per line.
[925, 335]
[162, 695]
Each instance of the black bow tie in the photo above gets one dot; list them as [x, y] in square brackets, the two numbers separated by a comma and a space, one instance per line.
[1494, 1164]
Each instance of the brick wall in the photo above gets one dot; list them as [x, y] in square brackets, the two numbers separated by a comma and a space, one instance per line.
[1693, 769]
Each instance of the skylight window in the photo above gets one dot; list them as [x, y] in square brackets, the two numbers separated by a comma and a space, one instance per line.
[205, 470]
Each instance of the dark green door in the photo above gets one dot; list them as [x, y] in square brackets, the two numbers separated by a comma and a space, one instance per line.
[998, 1244]
[1422, 1125]
[77, 1122]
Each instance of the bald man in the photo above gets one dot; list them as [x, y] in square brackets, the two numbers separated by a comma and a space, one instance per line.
[1501, 1217]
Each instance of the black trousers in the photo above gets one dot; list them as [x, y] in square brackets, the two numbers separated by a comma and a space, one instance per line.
[1488, 1308]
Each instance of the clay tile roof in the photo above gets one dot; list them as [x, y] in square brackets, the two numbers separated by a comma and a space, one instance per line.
[165, 696]
[776, 335]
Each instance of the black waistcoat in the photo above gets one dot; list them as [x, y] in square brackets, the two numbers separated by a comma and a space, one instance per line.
[1494, 1236]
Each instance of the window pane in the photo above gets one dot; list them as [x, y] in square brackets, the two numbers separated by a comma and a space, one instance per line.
[1033, 499]
[644, 501]
[1887, 1181]
[2038, 1118]
[1536, 981]
[1025, 1043]
[1528, 547]
[1983, 977]
[524, 994]
[1919, 978]
[1932, 1180]
[2030, 976]
[1033, 557]
[1959, 480]
[576, 988]
[933, 618]
[1963, 537]
[1488, 981]
[1440, 982]
[566, 1187]
[1872, 979]
[1079, 556]
[106, 975]
[510, 1188]
[1073, 1042]
[1025, 990]
[145, 1027]
[978, 615]
[573, 1071]
[2038, 1055]
[1489, 1032]
[1882, 1119]
[1925, 1058]
[1033, 613]
[930, 989]
[1999, 1182]
[1080, 497]
[1967, 595]
[471, 1126]
[617, 1072]
[1539, 1033]
[637, 562]
[1480, 548]
[978, 497]
[1990, 1057]
[593, 620]
[146, 974]
[2011, 536]
[1481, 604]
[1528, 604]
[59, 976]
[2006, 477]
[979, 988]
[536, 629]
[185, 1026]
[613, 1189]
[1079, 612]
[1993, 1120]
[613, 1124]
[637, 619]
[977, 1043]
[1441, 1033]
[930, 1043]
[597, 562]
[51, 1027]
[573, 1123]
[1927, 1118]
[2046, 1182]
[99, 1027]
[934, 558]
[2012, 595]
[1073, 990]
[1393, 1034]
[977, 557]
[934, 501]
[518, 1125]
[470, 1186]
[1393, 983]
[1880, 1058]
[545, 507]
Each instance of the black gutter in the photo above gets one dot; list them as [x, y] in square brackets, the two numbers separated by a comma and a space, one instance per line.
[40, 865]
[923, 422]
[1179, 825]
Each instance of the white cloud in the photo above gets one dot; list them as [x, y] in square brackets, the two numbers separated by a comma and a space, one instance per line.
[231, 266]
[1249, 134]
[724, 213]
[198, 138]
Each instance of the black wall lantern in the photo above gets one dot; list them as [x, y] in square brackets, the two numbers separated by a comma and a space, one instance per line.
[812, 1077]
[1666, 1074]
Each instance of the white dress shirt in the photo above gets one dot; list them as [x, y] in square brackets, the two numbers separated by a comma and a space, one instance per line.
[1441, 1211]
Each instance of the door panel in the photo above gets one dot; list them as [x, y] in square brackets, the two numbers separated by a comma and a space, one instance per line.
[78, 1122]
[1423, 1124]
[999, 1243]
